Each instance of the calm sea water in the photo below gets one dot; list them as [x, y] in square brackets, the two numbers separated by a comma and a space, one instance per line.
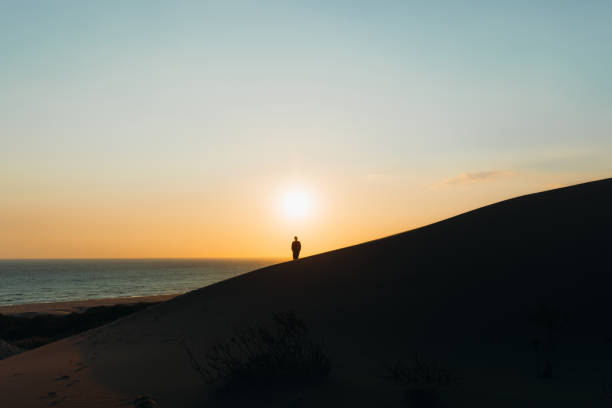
[35, 281]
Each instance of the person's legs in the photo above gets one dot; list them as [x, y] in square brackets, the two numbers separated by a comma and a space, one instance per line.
[295, 254]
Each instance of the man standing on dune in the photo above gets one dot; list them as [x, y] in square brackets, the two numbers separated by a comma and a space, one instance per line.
[296, 246]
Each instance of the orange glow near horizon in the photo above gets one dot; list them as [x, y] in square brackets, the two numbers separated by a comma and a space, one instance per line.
[247, 221]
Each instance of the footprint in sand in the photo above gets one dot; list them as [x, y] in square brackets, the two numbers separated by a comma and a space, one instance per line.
[50, 394]
[58, 401]
[62, 378]
[70, 384]
[124, 402]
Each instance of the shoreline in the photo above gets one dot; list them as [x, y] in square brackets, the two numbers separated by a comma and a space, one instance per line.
[72, 306]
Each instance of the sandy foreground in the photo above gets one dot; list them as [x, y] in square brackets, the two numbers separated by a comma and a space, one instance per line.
[470, 294]
[62, 308]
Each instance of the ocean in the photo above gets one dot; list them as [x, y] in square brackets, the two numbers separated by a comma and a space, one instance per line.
[39, 281]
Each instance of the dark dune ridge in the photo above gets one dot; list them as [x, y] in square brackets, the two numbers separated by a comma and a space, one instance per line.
[513, 298]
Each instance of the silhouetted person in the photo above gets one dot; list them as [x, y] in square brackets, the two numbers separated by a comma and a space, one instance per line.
[295, 248]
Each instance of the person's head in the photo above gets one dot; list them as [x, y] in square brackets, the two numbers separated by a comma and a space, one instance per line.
[295, 238]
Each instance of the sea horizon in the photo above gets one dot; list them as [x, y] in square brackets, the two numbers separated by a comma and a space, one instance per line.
[38, 280]
[146, 258]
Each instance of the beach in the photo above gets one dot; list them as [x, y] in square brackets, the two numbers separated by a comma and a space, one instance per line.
[76, 306]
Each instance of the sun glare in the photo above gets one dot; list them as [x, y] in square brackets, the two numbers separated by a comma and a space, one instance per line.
[296, 203]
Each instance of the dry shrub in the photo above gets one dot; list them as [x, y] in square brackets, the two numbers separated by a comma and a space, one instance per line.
[260, 359]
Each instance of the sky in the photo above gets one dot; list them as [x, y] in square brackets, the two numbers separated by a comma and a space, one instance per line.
[223, 129]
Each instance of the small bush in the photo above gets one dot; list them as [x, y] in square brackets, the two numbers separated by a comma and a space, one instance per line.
[422, 381]
[258, 358]
[421, 372]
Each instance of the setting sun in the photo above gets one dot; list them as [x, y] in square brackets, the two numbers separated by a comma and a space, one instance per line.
[296, 203]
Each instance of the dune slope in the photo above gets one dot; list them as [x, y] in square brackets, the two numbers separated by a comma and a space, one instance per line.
[472, 292]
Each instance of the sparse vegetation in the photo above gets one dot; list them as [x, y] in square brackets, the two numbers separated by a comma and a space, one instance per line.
[8, 350]
[260, 359]
[31, 332]
[422, 380]
[548, 322]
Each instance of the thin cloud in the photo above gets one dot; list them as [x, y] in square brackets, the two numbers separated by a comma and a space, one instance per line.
[475, 177]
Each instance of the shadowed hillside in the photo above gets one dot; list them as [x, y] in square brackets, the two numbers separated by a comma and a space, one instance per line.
[513, 298]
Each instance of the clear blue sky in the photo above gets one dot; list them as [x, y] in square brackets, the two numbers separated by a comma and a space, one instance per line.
[119, 103]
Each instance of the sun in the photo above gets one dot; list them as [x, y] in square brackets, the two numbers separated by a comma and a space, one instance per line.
[296, 203]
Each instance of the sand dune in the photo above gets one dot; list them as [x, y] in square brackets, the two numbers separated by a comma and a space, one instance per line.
[462, 291]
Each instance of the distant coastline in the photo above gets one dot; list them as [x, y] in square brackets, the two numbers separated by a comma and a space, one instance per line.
[77, 306]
